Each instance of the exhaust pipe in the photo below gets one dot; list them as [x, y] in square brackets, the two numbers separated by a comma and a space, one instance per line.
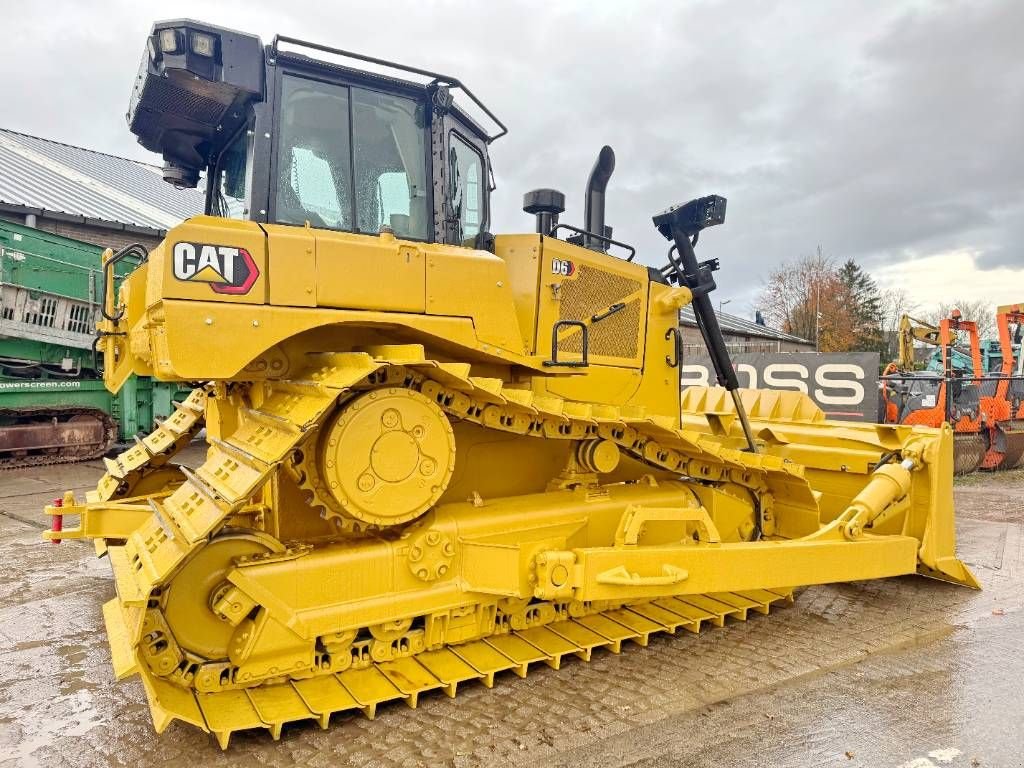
[594, 207]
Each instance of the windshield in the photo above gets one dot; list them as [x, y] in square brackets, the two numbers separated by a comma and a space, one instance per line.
[351, 159]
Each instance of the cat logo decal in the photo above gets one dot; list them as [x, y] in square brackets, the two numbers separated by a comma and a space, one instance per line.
[227, 269]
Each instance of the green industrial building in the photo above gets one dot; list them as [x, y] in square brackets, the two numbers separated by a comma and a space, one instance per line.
[60, 206]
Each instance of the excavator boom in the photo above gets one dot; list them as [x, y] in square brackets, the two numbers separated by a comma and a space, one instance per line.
[947, 395]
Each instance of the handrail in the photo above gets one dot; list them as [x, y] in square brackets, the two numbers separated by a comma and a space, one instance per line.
[437, 76]
[577, 230]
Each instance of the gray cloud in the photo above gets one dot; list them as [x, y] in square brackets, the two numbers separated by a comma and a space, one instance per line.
[880, 131]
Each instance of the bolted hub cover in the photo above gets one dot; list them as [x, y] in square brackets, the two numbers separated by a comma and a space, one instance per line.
[388, 456]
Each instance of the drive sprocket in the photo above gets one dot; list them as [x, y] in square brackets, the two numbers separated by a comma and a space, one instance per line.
[384, 458]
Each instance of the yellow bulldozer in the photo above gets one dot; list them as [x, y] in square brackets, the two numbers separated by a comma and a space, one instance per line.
[436, 454]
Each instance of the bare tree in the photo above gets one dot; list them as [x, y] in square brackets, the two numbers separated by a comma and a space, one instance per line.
[982, 312]
[790, 290]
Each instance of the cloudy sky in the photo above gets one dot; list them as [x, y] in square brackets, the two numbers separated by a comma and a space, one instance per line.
[889, 132]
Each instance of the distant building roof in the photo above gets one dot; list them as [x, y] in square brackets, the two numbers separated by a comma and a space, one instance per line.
[731, 324]
[46, 177]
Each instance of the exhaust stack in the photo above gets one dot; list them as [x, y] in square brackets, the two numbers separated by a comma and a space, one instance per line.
[594, 207]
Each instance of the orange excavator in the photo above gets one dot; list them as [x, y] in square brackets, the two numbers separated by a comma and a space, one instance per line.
[911, 329]
[1002, 397]
[927, 398]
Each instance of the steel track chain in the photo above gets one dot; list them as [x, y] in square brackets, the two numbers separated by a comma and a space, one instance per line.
[155, 450]
[273, 705]
[237, 466]
[63, 457]
[521, 412]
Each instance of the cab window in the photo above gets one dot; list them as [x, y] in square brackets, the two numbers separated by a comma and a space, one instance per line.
[314, 171]
[390, 164]
[465, 172]
[352, 159]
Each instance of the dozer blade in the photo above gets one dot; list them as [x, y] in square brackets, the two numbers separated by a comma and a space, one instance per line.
[796, 429]
[1012, 432]
[1006, 448]
[968, 451]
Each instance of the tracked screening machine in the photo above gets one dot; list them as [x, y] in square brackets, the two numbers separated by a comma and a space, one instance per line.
[435, 454]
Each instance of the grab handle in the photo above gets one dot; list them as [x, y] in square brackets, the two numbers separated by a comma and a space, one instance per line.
[107, 288]
[584, 330]
[622, 577]
[672, 334]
